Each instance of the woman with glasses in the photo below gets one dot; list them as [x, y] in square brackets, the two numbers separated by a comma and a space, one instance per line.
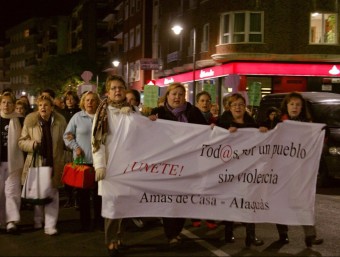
[104, 125]
[237, 117]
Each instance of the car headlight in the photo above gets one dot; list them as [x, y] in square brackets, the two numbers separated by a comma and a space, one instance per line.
[334, 150]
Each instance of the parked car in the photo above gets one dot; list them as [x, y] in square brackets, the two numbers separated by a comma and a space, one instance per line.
[324, 108]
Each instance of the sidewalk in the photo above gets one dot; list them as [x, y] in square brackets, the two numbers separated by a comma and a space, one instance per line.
[68, 242]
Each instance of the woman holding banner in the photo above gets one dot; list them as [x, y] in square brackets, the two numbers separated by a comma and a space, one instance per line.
[105, 121]
[176, 108]
[294, 107]
[238, 117]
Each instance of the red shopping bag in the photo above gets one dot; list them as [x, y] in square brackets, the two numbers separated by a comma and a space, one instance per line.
[78, 175]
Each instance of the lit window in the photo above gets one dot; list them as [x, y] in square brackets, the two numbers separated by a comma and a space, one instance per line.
[242, 27]
[323, 28]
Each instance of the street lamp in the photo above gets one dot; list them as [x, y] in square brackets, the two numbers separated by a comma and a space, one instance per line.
[177, 29]
[115, 63]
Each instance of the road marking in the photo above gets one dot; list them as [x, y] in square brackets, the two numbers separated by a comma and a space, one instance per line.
[205, 244]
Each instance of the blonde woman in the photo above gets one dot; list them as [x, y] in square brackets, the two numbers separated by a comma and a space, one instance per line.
[176, 108]
[77, 137]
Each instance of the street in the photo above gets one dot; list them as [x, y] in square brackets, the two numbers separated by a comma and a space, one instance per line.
[150, 240]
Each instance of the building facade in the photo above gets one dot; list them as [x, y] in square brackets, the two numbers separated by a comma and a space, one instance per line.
[228, 46]
[29, 43]
[129, 40]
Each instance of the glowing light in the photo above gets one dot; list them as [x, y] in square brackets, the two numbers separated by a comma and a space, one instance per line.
[177, 29]
[334, 70]
[115, 63]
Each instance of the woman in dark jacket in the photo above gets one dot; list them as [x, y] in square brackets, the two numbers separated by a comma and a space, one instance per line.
[294, 107]
[71, 101]
[176, 108]
[237, 117]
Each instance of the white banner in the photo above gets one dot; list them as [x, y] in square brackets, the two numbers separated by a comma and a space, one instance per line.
[172, 169]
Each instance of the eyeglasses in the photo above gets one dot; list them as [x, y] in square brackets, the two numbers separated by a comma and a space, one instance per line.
[237, 105]
[117, 88]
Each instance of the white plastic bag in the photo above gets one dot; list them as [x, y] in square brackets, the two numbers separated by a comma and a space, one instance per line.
[38, 185]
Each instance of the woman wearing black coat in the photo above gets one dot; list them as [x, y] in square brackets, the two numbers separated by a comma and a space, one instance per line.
[176, 108]
[237, 117]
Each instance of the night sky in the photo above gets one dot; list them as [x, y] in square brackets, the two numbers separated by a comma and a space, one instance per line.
[13, 12]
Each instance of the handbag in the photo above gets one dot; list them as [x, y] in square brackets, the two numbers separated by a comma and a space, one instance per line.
[38, 185]
[79, 175]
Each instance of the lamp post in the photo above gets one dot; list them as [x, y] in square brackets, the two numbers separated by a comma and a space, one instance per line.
[177, 29]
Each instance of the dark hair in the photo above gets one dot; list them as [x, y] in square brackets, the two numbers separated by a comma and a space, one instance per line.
[272, 109]
[49, 91]
[304, 115]
[7, 89]
[73, 94]
[135, 93]
[202, 93]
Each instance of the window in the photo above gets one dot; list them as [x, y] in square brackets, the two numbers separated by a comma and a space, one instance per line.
[242, 27]
[137, 70]
[138, 35]
[205, 41]
[138, 5]
[126, 9]
[132, 7]
[131, 72]
[192, 4]
[192, 43]
[323, 28]
[132, 38]
[126, 42]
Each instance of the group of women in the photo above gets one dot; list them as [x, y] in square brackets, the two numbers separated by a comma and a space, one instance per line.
[87, 133]
[42, 136]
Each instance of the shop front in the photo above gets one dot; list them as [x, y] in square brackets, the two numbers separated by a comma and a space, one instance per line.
[274, 77]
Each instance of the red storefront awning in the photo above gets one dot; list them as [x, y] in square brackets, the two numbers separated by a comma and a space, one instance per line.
[252, 68]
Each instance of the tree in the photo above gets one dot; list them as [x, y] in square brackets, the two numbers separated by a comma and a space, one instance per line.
[61, 72]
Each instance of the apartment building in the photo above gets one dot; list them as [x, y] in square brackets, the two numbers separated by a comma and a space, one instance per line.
[228, 45]
[129, 40]
[225, 45]
[29, 43]
[4, 80]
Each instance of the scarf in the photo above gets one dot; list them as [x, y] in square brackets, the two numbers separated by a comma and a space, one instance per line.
[179, 112]
[46, 146]
[100, 122]
[207, 116]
